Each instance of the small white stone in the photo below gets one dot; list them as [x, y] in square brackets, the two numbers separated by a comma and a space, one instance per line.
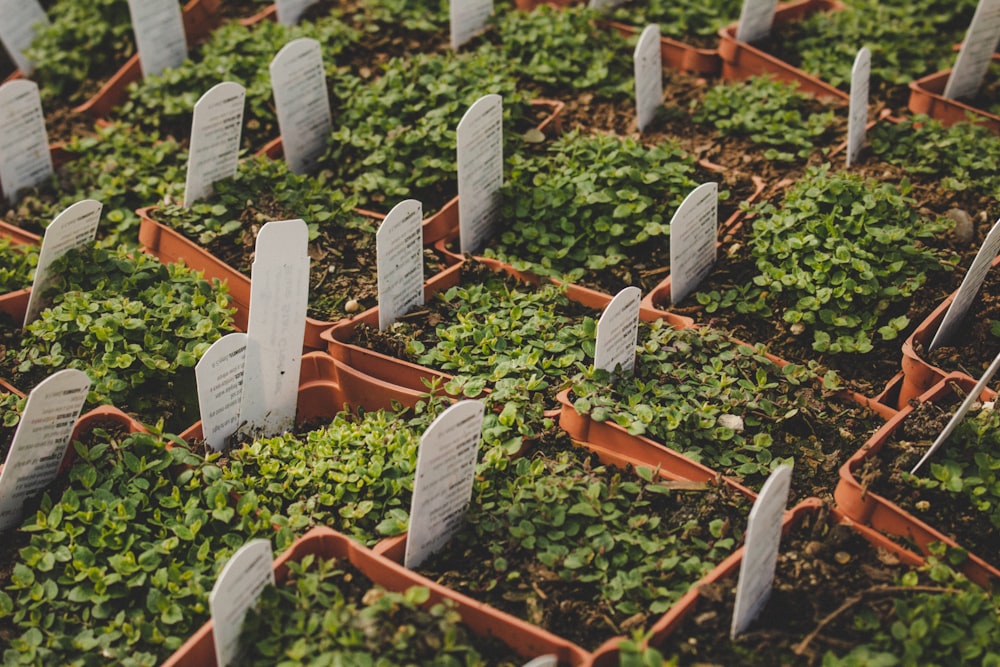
[734, 422]
[352, 306]
[965, 229]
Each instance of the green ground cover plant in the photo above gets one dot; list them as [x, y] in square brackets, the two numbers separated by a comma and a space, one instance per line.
[135, 326]
[586, 207]
[121, 555]
[234, 52]
[17, 264]
[394, 138]
[837, 259]
[119, 166]
[962, 159]
[353, 474]
[328, 611]
[11, 407]
[681, 20]
[562, 541]
[728, 406]
[787, 124]
[906, 42]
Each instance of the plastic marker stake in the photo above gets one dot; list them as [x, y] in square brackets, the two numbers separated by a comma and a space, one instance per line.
[219, 377]
[159, 34]
[279, 295]
[963, 409]
[40, 441]
[298, 80]
[290, 11]
[760, 552]
[857, 120]
[399, 249]
[442, 486]
[75, 227]
[480, 171]
[247, 573]
[694, 240]
[756, 19]
[17, 30]
[618, 331]
[467, 18]
[543, 661]
[215, 139]
[967, 291]
[976, 53]
[648, 66]
[24, 143]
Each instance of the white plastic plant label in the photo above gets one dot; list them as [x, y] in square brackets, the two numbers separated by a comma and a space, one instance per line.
[974, 57]
[399, 247]
[40, 441]
[279, 295]
[756, 19]
[21, 19]
[959, 415]
[247, 573]
[604, 4]
[159, 34]
[967, 291]
[857, 118]
[442, 486]
[480, 171]
[73, 228]
[760, 551]
[543, 661]
[618, 332]
[219, 376]
[24, 143]
[290, 11]
[215, 139]
[300, 97]
[648, 66]
[467, 18]
[694, 240]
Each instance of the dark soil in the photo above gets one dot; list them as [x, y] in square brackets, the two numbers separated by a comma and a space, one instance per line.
[820, 568]
[951, 513]
[571, 609]
[974, 345]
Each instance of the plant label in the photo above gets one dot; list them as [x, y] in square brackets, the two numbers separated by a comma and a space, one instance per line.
[694, 240]
[159, 34]
[648, 64]
[618, 332]
[290, 11]
[857, 118]
[760, 550]
[959, 415]
[480, 171]
[604, 4]
[756, 19]
[279, 295]
[219, 376]
[967, 291]
[442, 486]
[215, 139]
[247, 573]
[299, 84]
[543, 661]
[399, 246]
[25, 160]
[40, 441]
[467, 18]
[73, 228]
[974, 57]
[21, 18]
